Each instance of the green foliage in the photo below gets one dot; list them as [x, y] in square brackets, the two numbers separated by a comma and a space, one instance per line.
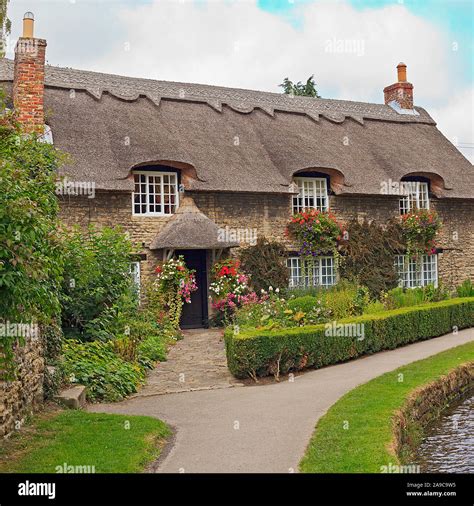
[259, 352]
[466, 289]
[30, 253]
[96, 365]
[52, 336]
[299, 89]
[368, 254]
[5, 26]
[263, 263]
[96, 277]
[53, 380]
[406, 297]
[150, 350]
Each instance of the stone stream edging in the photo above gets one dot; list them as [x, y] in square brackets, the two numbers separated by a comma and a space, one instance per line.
[424, 405]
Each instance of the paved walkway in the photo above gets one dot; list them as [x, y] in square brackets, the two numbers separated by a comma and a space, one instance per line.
[197, 362]
[263, 428]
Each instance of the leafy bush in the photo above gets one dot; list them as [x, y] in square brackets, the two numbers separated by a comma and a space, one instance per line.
[466, 289]
[263, 262]
[368, 254]
[152, 349]
[97, 366]
[96, 275]
[30, 256]
[406, 297]
[262, 352]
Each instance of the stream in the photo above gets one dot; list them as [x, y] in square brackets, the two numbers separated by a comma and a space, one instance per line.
[448, 445]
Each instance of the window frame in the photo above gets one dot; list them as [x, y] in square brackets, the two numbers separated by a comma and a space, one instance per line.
[155, 173]
[415, 273]
[405, 202]
[320, 272]
[310, 179]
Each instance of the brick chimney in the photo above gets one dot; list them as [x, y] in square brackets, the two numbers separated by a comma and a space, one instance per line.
[400, 92]
[28, 81]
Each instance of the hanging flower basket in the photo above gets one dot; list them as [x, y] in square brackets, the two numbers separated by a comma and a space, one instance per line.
[175, 283]
[316, 232]
[420, 229]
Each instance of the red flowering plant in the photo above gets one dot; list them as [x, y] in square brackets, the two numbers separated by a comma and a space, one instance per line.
[229, 287]
[174, 283]
[317, 232]
[420, 228]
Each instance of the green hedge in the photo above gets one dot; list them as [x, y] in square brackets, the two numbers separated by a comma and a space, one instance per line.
[260, 353]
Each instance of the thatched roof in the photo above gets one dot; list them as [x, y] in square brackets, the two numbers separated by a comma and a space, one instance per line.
[189, 228]
[237, 140]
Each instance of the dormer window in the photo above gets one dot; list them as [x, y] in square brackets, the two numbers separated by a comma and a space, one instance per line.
[156, 193]
[415, 196]
[313, 194]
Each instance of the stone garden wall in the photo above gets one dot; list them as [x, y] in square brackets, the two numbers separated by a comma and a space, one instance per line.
[425, 405]
[23, 395]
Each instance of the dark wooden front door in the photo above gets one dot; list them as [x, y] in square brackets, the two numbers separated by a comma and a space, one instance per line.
[195, 314]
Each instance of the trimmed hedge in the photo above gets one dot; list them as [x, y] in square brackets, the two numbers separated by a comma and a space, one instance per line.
[260, 353]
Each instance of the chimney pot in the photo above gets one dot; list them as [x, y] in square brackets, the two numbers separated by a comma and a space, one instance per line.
[28, 25]
[402, 73]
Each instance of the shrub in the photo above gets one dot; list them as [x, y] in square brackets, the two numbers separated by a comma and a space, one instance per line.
[259, 353]
[95, 365]
[96, 275]
[265, 265]
[368, 253]
[466, 289]
[406, 297]
[152, 349]
[30, 256]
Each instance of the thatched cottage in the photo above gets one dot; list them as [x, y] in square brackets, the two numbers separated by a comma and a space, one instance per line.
[195, 169]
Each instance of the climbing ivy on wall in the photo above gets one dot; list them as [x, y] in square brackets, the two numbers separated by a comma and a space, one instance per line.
[30, 249]
[369, 253]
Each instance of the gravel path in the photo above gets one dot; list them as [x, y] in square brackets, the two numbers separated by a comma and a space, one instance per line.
[263, 428]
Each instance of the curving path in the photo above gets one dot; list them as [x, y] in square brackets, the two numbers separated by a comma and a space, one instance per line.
[263, 428]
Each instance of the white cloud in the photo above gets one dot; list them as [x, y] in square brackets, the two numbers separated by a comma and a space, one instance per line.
[353, 53]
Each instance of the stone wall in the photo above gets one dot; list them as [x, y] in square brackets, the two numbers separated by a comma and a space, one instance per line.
[267, 215]
[23, 395]
[425, 405]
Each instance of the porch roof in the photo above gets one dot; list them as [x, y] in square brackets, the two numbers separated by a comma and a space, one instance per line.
[189, 228]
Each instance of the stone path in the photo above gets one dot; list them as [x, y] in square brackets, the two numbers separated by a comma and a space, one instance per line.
[263, 428]
[197, 362]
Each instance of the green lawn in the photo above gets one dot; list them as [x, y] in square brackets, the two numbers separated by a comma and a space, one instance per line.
[363, 446]
[110, 443]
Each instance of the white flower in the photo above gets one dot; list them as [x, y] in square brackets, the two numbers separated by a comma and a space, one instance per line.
[270, 288]
[277, 290]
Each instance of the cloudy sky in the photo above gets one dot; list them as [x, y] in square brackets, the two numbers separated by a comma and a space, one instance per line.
[351, 46]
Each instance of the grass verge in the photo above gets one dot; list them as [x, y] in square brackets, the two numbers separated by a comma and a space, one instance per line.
[109, 443]
[355, 435]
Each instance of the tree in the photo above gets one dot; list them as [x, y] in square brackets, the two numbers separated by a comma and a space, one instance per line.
[5, 26]
[300, 89]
